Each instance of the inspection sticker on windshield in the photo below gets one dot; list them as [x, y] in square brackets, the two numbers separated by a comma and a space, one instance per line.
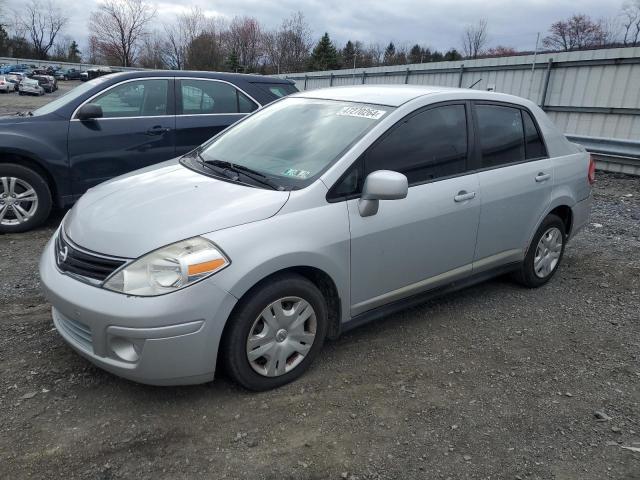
[362, 112]
[292, 172]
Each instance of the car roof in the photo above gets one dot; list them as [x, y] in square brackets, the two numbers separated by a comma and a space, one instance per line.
[229, 77]
[390, 95]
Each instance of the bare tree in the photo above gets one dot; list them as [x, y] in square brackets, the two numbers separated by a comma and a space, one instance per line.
[181, 34]
[119, 27]
[244, 37]
[41, 22]
[287, 48]
[577, 32]
[151, 52]
[630, 22]
[474, 39]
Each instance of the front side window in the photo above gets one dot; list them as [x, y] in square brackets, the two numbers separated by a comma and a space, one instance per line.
[424, 147]
[501, 135]
[140, 98]
[294, 139]
[201, 97]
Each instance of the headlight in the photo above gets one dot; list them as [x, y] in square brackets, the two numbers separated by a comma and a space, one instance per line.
[168, 269]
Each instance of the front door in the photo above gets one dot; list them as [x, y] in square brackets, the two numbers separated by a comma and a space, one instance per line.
[137, 130]
[427, 239]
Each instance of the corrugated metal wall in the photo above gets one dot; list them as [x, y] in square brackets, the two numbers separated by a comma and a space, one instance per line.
[593, 93]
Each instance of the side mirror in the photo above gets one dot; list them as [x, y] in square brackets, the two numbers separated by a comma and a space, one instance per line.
[89, 111]
[381, 185]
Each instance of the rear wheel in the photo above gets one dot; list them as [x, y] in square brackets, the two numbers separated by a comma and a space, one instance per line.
[25, 198]
[544, 254]
[277, 330]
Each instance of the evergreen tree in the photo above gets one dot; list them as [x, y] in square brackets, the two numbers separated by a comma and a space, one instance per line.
[452, 54]
[4, 42]
[74, 52]
[324, 55]
[389, 54]
[232, 63]
[436, 56]
[416, 54]
[348, 54]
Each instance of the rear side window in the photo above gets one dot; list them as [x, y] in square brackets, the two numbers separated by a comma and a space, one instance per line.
[277, 89]
[201, 97]
[424, 147]
[501, 135]
[534, 146]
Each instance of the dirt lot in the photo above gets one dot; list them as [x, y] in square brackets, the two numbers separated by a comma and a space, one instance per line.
[12, 102]
[493, 382]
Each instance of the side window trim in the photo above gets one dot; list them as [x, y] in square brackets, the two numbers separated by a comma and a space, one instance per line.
[360, 161]
[236, 87]
[170, 99]
[477, 160]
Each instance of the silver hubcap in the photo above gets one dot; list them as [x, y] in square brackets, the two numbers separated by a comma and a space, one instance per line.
[548, 252]
[281, 336]
[18, 201]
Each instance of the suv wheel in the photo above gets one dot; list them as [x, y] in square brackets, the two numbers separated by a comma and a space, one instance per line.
[277, 330]
[544, 254]
[25, 199]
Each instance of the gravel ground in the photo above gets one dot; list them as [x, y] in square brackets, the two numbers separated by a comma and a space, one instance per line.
[12, 102]
[494, 382]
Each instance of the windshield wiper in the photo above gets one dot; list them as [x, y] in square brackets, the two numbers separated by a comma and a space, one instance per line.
[246, 171]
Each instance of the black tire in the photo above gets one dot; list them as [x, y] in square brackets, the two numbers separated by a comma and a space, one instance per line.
[234, 343]
[526, 275]
[43, 193]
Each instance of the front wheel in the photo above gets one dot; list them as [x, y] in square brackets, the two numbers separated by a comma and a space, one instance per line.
[25, 198]
[277, 330]
[544, 254]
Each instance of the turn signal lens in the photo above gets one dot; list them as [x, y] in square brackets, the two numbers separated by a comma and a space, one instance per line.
[170, 268]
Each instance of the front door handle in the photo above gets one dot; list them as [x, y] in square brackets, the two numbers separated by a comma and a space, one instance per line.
[542, 177]
[463, 196]
[157, 130]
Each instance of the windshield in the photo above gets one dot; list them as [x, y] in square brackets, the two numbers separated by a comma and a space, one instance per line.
[69, 96]
[294, 140]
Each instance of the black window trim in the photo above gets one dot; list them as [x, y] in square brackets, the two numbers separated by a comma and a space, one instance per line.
[359, 162]
[478, 157]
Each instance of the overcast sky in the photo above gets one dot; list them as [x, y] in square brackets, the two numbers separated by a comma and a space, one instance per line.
[434, 23]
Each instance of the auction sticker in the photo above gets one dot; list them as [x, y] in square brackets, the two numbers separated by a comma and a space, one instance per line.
[292, 172]
[362, 112]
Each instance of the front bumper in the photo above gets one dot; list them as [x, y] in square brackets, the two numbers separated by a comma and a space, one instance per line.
[170, 339]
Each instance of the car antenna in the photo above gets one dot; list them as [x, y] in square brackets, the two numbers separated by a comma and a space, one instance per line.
[475, 83]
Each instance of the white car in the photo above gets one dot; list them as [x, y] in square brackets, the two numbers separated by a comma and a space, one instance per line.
[30, 87]
[6, 86]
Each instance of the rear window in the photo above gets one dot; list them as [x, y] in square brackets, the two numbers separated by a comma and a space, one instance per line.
[277, 89]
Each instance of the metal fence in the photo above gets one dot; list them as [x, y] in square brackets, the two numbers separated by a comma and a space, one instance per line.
[593, 95]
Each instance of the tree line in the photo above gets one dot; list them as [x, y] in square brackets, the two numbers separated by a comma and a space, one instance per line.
[129, 33]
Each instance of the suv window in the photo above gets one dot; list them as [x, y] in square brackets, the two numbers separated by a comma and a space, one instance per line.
[200, 97]
[429, 145]
[534, 145]
[277, 89]
[140, 98]
[501, 135]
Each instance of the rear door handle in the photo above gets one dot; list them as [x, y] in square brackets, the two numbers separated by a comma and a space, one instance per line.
[157, 130]
[463, 196]
[542, 177]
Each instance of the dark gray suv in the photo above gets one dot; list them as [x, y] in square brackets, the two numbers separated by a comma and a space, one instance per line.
[112, 125]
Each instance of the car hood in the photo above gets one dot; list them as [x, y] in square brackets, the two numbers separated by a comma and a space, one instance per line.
[132, 215]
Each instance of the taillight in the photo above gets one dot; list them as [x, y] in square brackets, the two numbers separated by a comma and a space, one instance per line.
[591, 176]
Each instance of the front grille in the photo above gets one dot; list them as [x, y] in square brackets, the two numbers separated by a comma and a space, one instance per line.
[78, 331]
[72, 260]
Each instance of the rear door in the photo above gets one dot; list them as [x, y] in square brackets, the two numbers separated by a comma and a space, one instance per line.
[516, 179]
[205, 107]
[137, 130]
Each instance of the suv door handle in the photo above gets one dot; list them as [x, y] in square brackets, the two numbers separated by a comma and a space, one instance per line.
[157, 130]
[463, 196]
[541, 177]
